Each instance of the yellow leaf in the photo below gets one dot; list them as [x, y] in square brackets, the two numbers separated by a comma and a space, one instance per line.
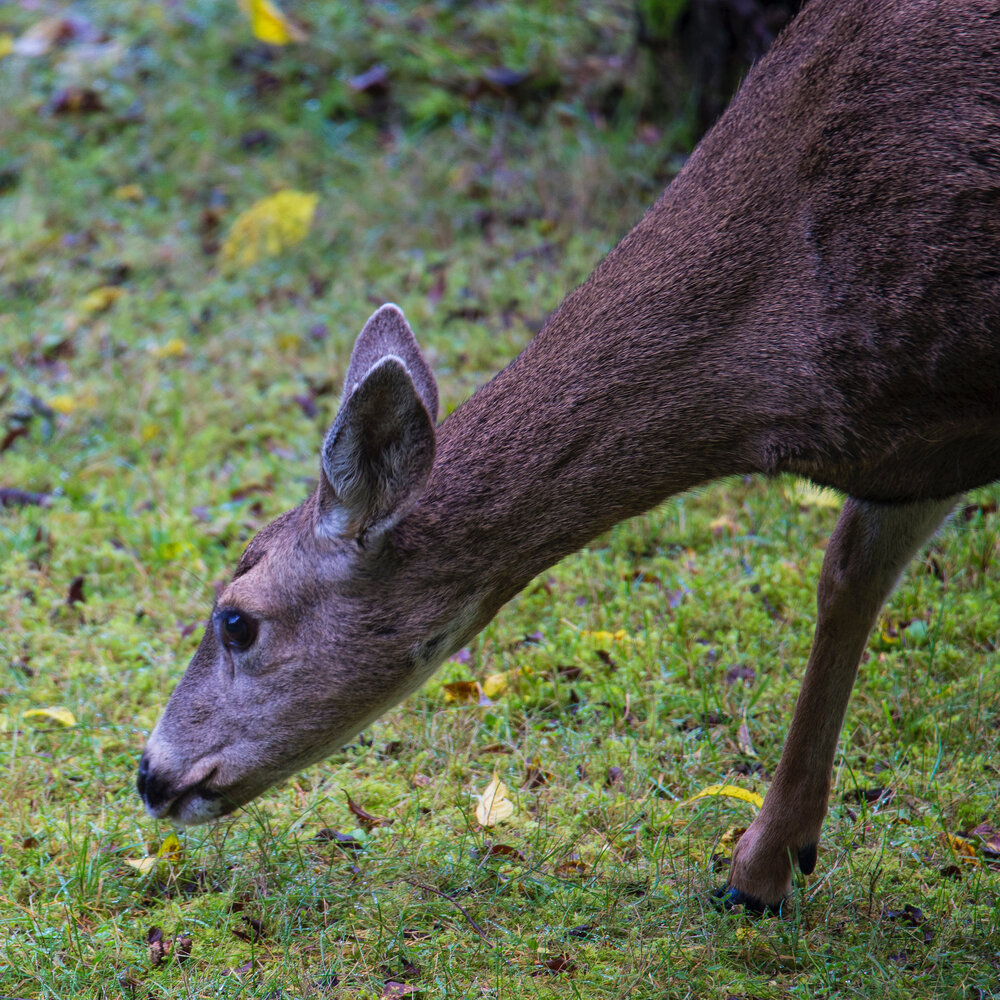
[965, 850]
[730, 791]
[129, 192]
[807, 494]
[173, 348]
[57, 714]
[288, 341]
[148, 432]
[463, 692]
[605, 638]
[142, 865]
[268, 227]
[494, 805]
[171, 848]
[496, 684]
[6, 44]
[269, 24]
[100, 300]
[63, 403]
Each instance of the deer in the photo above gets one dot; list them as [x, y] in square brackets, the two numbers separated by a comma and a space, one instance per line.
[817, 292]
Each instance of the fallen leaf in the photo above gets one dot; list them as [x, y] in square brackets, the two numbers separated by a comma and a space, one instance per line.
[99, 300]
[535, 776]
[182, 947]
[393, 988]
[11, 497]
[128, 192]
[56, 714]
[366, 818]
[257, 932]
[75, 593]
[344, 840]
[964, 850]
[729, 791]
[269, 24]
[465, 693]
[990, 838]
[494, 804]
[171, 849]
[503, 851]
[496, 684]
[158, 948]
[268, 227]
[560, 964]
[76, 101]
[6, 44]
[605, 638]
[571, 868]
[175, 347]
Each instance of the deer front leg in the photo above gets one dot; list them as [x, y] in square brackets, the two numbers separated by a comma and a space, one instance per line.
[870, 546]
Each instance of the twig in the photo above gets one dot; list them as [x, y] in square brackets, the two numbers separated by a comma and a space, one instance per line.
[454, 902]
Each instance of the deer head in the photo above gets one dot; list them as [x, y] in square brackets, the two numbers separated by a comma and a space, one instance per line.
[303, 649]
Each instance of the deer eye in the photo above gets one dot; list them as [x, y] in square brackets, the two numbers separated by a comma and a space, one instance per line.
[238, 630]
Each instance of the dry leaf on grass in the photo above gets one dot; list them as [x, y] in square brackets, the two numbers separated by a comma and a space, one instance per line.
[54, 714]
[494, 804]
[728, 791]
[268, 227]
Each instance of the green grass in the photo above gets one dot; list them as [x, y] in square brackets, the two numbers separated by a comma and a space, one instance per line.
[169, 428]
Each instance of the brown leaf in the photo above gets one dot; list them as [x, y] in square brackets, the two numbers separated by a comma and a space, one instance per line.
[366, 819]
[741, 672]
[559, 964]
[328, 834]
[393, 988]
[76, 101]
[502, 851]
[158, 948]
[257, 932]
[990, 838]
[615, 778]
[182, 947]
[465, 693]
[240, 970]
[75, 594]
[571, 868]
[11, 497]
[535, 776]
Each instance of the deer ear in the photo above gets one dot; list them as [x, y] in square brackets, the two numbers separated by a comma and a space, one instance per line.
[379, 451]
[388, 334]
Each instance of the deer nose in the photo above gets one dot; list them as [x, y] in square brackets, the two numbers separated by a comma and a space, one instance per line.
[153, 789]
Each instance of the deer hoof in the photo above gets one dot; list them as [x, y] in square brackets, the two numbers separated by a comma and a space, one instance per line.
[807, 859]
[728, 897]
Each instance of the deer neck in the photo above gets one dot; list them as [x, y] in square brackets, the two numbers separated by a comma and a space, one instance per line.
[616, 405]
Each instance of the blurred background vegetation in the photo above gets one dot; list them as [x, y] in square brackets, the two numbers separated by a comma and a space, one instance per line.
[194, 224]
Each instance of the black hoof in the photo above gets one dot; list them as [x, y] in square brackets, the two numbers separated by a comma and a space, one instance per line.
[807, 859]
[728, 897]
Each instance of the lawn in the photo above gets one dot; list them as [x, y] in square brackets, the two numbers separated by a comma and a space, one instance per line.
[162, 397]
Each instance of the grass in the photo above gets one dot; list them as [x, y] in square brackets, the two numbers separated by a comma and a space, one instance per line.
[169, 427]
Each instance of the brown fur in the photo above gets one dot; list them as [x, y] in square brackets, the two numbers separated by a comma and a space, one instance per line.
[817, 292]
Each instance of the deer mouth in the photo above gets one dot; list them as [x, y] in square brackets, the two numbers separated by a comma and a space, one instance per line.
[189, 805]
[195, 805]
